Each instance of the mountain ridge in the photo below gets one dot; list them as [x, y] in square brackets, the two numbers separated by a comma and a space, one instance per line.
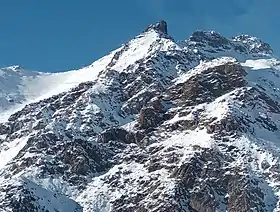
[160, 126]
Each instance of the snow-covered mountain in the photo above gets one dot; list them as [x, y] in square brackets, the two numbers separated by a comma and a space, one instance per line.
[157, 125]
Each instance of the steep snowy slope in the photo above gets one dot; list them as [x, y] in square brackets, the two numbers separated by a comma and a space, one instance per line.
[157, 125]
[19, 87]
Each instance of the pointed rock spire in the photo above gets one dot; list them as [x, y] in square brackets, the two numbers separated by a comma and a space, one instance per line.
[160, 26]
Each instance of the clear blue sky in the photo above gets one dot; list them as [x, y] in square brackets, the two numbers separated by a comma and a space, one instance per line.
[58, 35]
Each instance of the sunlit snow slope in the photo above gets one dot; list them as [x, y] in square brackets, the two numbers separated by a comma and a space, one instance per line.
[19, 87]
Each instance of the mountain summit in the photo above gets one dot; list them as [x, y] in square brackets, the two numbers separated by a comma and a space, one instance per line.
[157, 125]
[160, 26]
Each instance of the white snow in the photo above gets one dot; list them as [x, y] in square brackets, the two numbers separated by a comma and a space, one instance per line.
[187, 139]
[260, 63]
[10, 150]
[129, 126]
[219, 108]
[26, 87]
[98, 196]
[54, 83]
[138, 49]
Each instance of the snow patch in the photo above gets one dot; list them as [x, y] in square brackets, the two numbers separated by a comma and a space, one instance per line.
[10, 150]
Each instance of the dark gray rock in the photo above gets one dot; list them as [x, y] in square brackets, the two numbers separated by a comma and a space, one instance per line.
[160, 26]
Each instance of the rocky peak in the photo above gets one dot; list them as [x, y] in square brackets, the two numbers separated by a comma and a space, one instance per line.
[160, 26]
[210, 37]
[210, 44]
[254, 44]
[15, 67]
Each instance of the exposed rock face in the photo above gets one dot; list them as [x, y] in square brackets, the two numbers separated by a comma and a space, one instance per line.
[160, 26]
[254, 44]
[165, 126]
[209, 84]
[212, 39]
[151, 116]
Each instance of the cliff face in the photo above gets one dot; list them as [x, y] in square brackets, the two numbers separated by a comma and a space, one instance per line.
[157, 125]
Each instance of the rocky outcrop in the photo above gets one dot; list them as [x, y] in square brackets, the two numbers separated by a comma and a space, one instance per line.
[212, 39]
[152, 115]
[232, 190]
[117, 134]
[211, 83]
[254, 45]
[160, 26]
